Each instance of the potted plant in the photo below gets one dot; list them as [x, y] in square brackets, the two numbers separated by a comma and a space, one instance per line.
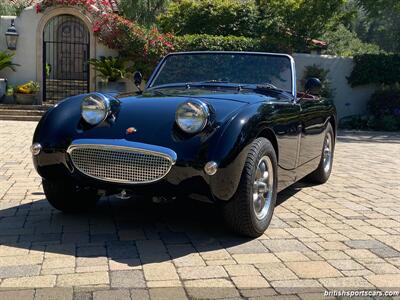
[112, 72]
[5, 63]
[27, 93]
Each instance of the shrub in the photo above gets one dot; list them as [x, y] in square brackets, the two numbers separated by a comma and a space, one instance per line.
[201, 42]
[214, 17]
[110, 68]
[144, 47]
[385, 102]
[321, 74]
[197, 42]
[383, 111]
[357, 122]
[375, 68]
[343, 42]
[6, 61]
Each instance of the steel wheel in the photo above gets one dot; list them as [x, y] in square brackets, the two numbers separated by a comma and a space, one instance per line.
[327, 153]
[250, 210]
[323, 171]
[263, 187]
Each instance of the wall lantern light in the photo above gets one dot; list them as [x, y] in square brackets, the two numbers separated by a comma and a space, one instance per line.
[12, 36]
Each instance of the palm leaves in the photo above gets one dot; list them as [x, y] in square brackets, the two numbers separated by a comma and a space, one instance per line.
[6, 61]
[110, 68]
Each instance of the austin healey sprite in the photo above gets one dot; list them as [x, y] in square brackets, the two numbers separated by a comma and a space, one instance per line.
[225, 127]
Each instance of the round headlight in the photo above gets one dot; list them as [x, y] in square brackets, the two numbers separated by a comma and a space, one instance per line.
[192, 116]
[95, 108]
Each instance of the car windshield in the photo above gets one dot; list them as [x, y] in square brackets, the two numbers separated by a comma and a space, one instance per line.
[237, 68]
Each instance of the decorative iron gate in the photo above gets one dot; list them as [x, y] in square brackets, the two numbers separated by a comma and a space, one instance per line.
[66, 45]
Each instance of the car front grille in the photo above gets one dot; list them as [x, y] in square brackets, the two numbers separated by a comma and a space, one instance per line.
[120, 164]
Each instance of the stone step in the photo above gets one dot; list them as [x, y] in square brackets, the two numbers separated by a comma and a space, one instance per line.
[21, 112]
[25, 107]
[19, 118]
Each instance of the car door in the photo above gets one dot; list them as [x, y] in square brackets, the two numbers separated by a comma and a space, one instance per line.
[312, 128]
[287, 127]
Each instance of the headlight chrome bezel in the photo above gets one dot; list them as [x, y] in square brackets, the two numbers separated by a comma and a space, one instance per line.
[103, 101]
[198, 104]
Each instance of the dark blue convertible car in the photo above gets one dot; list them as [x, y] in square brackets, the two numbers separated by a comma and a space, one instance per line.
[226, 127]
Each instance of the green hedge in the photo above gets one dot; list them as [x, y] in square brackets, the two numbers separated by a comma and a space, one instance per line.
[202, 42]
[375, 68]
[197, 42]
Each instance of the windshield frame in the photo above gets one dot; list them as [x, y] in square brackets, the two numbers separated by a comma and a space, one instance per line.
[161, 64]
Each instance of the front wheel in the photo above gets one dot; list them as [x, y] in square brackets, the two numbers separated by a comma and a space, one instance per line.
[68, 197]
[250, 210]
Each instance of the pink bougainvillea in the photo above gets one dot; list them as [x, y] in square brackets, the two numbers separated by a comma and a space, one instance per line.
[144, 47]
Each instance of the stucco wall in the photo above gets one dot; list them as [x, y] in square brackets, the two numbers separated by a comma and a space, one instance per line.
[26, 48]
[348, 100]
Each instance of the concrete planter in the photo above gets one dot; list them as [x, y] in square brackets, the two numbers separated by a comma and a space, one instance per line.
[112, 87]
[26, 99]
[3, 86]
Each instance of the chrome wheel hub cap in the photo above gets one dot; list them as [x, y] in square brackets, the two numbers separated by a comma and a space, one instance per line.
[263, 187]
[327, 153]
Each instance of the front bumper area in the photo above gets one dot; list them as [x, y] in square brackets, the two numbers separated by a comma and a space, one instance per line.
[179, 178]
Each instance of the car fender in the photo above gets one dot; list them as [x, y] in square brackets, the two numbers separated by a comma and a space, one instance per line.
[230, 152]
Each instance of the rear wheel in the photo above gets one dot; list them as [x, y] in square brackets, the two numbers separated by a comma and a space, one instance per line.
[68, 197]
[323, 172]
[250, 210]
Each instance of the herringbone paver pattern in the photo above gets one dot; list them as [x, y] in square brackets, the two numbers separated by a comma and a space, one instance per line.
[341, 235]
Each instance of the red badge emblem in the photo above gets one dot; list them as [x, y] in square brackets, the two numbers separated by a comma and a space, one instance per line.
[131, 130]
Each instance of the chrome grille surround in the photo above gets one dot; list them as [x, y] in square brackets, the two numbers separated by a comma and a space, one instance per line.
[120, 164]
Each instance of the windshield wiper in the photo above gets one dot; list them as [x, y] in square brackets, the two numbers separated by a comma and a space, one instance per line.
[215, 81]
[267, 86]
[262, 87]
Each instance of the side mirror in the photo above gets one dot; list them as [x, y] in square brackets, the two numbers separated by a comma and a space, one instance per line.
[313, 86]
[137, 79]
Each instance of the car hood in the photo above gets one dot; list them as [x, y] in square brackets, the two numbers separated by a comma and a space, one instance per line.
[153, 117]
[232, 95]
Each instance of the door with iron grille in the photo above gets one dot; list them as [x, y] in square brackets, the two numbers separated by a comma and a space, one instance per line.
[66, 54]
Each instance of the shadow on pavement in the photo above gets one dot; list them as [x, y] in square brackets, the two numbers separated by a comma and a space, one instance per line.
[133, 231]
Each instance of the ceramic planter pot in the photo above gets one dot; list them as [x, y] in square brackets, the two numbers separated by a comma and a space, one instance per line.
[26, 99]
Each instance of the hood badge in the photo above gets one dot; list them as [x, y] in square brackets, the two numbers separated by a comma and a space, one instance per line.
[131, 130]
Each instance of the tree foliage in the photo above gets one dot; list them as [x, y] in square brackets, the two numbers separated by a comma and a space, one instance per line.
[343, 42]
[378, 21]
[322, 74]
[142, 11]
[7, 9]
[295, 22]
[213, 17]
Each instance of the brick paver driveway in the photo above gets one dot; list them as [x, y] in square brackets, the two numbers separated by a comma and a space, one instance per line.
[341, 235]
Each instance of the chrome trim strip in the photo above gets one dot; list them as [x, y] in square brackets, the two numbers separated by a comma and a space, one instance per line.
[127, 146]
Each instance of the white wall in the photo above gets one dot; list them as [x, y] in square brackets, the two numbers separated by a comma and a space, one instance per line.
[25, 55]
[348, 100]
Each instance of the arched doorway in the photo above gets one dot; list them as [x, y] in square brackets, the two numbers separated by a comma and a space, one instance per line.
[66, 52]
